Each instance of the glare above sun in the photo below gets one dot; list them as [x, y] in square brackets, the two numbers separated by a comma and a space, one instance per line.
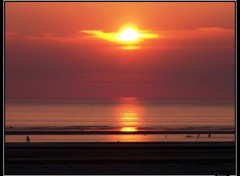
[128, 35]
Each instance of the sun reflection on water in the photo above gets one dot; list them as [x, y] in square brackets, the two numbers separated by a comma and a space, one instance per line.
[128, 129]
[129, 114]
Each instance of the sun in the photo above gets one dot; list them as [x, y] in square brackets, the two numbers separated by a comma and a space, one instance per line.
[128, 35]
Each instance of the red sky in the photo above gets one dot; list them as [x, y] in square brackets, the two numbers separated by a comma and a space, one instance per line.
[47, 55]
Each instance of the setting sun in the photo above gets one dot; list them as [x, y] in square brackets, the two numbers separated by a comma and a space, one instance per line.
[128, 35]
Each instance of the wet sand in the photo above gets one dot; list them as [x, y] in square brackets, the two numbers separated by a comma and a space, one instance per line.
[71, 132]
[120, 158]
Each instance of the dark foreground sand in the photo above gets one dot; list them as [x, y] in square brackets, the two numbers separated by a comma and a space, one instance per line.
[120, 158]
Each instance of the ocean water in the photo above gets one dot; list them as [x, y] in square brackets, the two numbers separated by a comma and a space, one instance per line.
[125, 114]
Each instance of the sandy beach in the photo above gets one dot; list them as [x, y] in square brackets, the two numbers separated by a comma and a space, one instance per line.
[120, 158]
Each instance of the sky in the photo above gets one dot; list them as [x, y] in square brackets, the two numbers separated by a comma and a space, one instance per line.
[53, 50]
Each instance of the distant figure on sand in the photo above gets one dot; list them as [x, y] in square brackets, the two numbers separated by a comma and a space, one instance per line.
[209, 135]
[198, 136]
[27, 139]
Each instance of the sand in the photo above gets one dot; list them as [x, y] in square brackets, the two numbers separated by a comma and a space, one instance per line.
[120, 158]
[71, 132]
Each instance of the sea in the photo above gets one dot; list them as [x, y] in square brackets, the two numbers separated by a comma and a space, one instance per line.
[126, 115]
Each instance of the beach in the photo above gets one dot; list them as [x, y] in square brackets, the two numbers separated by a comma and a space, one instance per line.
[123, 88]
[120, 158]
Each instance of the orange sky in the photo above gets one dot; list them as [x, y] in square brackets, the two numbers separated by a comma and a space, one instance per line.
[48, 55]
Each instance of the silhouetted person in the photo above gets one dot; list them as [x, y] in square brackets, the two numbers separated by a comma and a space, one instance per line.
[27, 139]
[209, 135]
[198, 136]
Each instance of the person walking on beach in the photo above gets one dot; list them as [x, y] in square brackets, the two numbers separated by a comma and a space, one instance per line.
[198, 136]
[209, 135]
[27, 139]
